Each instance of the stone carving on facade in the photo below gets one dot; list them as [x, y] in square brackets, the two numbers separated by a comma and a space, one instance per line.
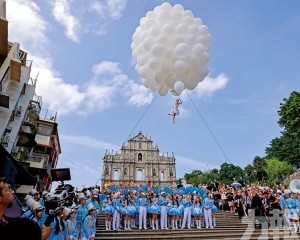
[141, 163]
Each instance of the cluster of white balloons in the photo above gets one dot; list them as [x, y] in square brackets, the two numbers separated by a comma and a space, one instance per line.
[170, 48]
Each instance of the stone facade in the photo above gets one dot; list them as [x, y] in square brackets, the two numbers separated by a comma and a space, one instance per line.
[139, 162]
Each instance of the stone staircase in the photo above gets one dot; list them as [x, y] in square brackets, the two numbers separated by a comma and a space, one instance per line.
[229, 226]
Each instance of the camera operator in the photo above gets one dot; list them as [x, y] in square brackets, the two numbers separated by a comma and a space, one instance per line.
[54, 226]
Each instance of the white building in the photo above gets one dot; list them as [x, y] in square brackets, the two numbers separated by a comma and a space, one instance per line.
[32, 140]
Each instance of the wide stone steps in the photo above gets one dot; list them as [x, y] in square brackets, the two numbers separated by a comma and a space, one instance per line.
[229, 226]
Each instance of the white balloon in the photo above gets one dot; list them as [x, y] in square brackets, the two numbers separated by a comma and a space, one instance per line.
[188, 20]
[193, 29]
[171, 79]
[168, 29]
[178, 7]
[190, 85]
[198, 49]
[146, 72]
[150, 14]
[167, 67]
[158, 50]
[180, 66]
[181, 50]
[177, 39]
[163, 90]
[166, 6]
[148, 43]
[154, 63]
[188, 13]
[163, 17]
[163, 39]
[179, 87]
[170, 48]
[160, 77]
[203, 30]
[154, 31]
[181, 29]
[198, 21]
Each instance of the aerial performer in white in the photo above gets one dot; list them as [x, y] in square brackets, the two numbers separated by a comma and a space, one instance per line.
[175, 110]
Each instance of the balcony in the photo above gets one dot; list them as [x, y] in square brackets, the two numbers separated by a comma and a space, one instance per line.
[15, 70]
[38, 161]
[20, 153]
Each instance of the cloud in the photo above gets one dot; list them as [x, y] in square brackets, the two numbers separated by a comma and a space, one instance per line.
[29, 30]
[98, 94]
[108, 83]
[61, 12]
[112, 8]
[106, 67]
[87, 141]
[210, 85]
[56, 93]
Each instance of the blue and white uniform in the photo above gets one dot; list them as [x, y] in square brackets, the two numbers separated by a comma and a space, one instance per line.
[163, 202]
[187, 214]
[143, 203]
[207, 206]
[89, 227]
[70, 229]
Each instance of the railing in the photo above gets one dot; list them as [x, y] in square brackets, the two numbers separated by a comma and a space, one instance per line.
[22, 56]
[4, 79]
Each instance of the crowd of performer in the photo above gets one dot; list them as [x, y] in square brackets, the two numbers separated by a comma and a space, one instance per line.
[160, 208]
[158, 211]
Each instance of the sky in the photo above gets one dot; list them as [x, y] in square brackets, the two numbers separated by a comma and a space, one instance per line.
[82, 58]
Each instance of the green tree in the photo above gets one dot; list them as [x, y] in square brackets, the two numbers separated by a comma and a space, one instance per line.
[228, 172]
[284, 148]
[259, 169]
[287, 146]
[289, 114]
[277, 170]
[249, 174]
[193, 177]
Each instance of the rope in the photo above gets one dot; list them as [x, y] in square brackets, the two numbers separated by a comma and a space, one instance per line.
[214, 137]
[144, 113]
[141, 118]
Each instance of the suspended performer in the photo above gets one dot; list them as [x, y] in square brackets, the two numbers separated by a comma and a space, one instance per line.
[175, 110]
